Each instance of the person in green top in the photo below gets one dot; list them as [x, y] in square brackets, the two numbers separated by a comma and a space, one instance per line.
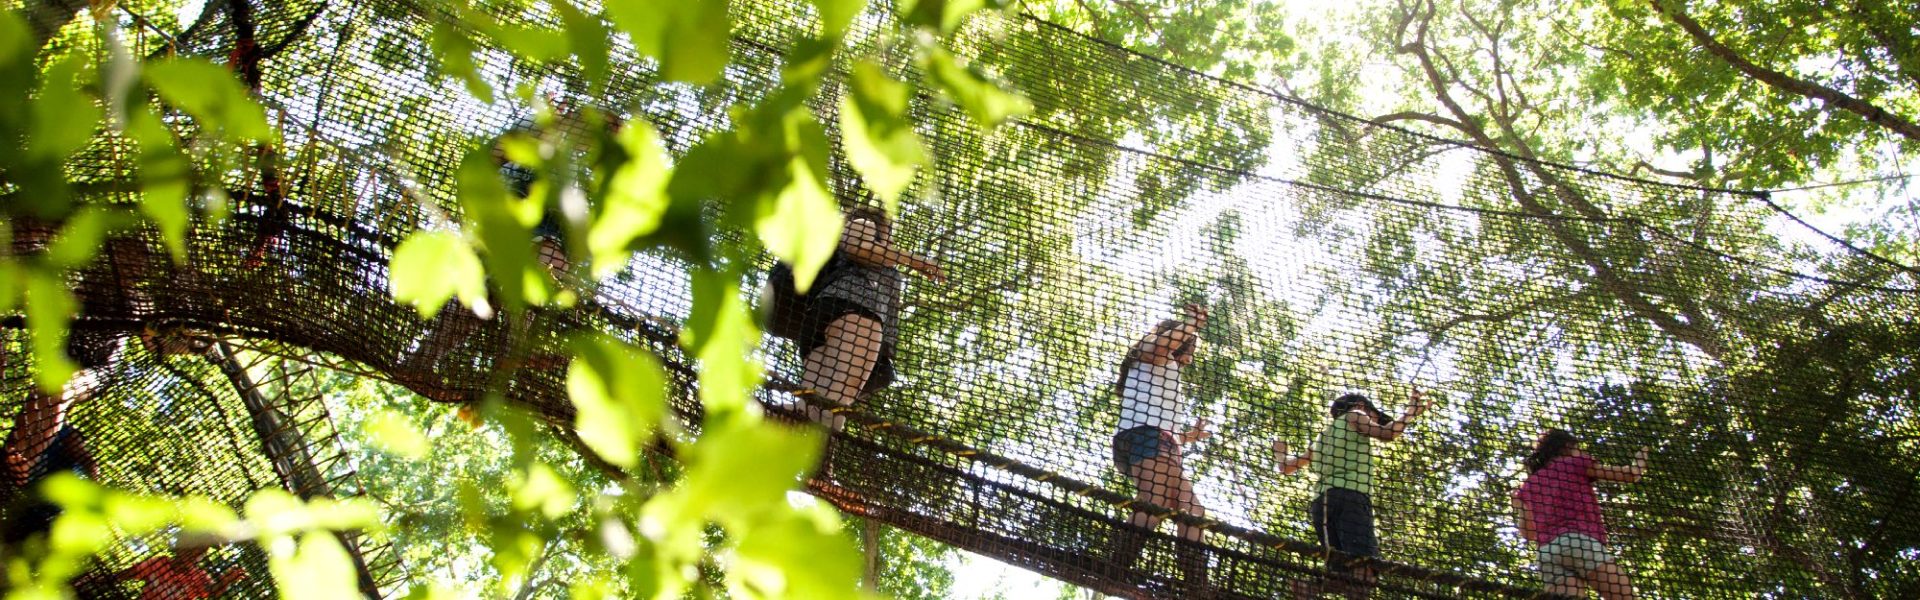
[1342, 513]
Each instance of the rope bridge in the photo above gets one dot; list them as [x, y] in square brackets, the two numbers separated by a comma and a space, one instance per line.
[1333, 255]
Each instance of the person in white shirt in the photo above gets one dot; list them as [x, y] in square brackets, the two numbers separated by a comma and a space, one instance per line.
[1153, 429]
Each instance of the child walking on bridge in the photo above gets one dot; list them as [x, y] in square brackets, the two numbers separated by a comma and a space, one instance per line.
[1342, 513]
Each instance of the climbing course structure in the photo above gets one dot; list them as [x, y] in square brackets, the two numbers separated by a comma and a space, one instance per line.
[209, 419]
[1766, 366]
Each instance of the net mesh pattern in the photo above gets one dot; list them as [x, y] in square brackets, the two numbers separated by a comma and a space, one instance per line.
[221, 424]
[1332, 255]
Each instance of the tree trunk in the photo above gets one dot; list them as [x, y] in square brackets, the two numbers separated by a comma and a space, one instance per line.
[870, 544]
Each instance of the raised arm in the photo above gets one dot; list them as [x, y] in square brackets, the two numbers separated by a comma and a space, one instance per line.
[1195, 433]
[1391, 431]
[1290, 464]
[863, 243]
[227, 579]
[33, 429]
[1524, 518]
[77, 447]
[1161, 345]
[1625, 474]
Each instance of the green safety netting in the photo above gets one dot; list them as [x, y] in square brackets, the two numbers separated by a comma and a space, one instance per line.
[1768, 366]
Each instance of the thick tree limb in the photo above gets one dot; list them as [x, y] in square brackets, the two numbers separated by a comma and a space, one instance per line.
[1515, 311]
[1788, 83]
[47, 17]
[1639, 166]
[1411, 115]
[1693, 331]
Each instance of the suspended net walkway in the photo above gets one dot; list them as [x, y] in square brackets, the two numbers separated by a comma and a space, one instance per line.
[1768, 367]
[221, 422]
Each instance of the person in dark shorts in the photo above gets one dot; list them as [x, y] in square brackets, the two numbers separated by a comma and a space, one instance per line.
[549, 235]
[42, 442]
[1342, 513]
[1152, 431]
[421, 368]
[1557, 509]
[853, 315]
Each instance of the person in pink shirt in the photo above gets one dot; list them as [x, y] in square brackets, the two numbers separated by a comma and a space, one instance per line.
[1559, 511]
[180, 577]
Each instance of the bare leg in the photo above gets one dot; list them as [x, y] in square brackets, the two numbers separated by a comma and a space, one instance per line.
[1362, 584]
[1611, 581]
[1162, 482]
[1306, 588]
[554, 256]
[1191, 558]
[33, 431]
[1150, 480]
[1574, 588]
[838, 369]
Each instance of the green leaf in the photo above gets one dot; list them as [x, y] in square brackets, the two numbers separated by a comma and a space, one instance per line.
[50, 308]
[456, 60]
[535, 44]
[166, 178]
[81, 533]
[504, 227]
[835, 15]
[722, 335]
[797, 554]
[697, 50]
[808, 60]
[72, 492]
[395, 434]
[82, 236]
[540, 490]
[65, 117]
[275, 512]
[589, 37]
[986, 102]
[690, 38]
[431, 267]
[800, 223]
[212, 95]
[879, 140]
[11, 275]
[514, 550]
[644, 22]
[943, 15]
[318, 569]
[636, 199]
[739, 472]
[591, 588]
[204, 515]
[138, 514]
[16, 46]
[618, 393]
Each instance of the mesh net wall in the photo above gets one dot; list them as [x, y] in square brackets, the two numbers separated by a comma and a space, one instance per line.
[1768, 368]
[222, 425]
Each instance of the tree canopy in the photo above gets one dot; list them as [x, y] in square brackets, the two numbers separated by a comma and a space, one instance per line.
[1543, 212]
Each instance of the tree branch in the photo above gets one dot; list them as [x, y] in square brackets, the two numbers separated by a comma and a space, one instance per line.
[1898, 48]
[527, 589]
[1410, 115]
[1443, 327]
[48, 17]
[1642, 165]
[1788, 83]
[1694, 333]
[1134, 8]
